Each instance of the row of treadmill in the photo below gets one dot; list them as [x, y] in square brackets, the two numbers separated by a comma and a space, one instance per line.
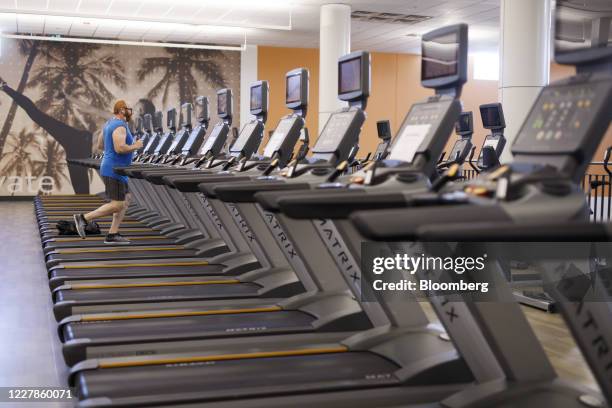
[242, 286]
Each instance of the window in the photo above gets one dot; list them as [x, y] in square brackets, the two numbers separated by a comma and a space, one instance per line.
[486, 67]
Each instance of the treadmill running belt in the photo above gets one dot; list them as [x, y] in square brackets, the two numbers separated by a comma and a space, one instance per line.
[164, 328]
[57, 276]
[157, 293]
[233, 378]
[122, 253]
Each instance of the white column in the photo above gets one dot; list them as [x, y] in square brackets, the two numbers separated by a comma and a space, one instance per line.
[334, 42]
[525, 59]
[248, 75]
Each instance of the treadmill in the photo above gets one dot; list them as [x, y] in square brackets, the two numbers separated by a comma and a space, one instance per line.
[128, 226]
[188, 151]
[464, 128]
[492, 116]
[327, 306]
[395, 354]
[486, 338]
[172, 283]
[185, 245]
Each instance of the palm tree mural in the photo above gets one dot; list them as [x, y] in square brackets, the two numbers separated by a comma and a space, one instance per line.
[30, 49]
[72, 76]
[76, 72]
[178, 69]
[18, 160]
[52, 163]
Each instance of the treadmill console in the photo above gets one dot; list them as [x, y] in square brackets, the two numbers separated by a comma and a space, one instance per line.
[284, 138]
[492, 116]
[420, 131]
[563, 119]
[428, 125]
[196, 136]
[152, 130]
[215, 141]
[251, 135]
[287, 133]
[166, 139]
[341, 132]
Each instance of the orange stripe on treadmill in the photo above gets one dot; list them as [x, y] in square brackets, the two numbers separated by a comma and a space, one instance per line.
[224, 357]
[154, 284]
[104, 317]
[135, 265]
[100, 238]
[105, 250]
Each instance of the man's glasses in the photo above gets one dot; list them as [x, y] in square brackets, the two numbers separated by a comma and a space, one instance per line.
[129, 110]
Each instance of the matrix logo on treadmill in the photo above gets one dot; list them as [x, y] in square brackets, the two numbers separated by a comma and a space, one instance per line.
[244, 226]
[280, 235]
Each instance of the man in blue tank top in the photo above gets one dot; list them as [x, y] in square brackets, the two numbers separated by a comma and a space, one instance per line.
[118, 146]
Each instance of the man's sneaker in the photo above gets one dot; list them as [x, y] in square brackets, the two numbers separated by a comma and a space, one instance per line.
[80, 223]
[116, 239]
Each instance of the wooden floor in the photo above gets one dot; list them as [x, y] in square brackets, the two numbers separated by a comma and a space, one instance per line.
[30, 352]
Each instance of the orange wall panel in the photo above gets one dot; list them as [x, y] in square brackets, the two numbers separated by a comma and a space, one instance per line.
[395, 87]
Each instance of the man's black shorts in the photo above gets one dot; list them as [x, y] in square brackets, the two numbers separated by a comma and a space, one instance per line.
[115, 189]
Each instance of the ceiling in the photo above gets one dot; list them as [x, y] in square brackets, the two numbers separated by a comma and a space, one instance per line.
[292, 23]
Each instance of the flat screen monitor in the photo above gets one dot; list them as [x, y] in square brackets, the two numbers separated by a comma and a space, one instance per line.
[491, 117]
[256, 97]
[582, 25]
[293, 88]
[350, 76]
[440, 57]
[222, 104]
[464, 123]
[186, 110]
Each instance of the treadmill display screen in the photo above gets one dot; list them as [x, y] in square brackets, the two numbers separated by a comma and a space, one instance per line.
[333, 132]
[407, 143]
[162, 142]
[457, 149]
[490, 117]
[349, 76]
[440, 57]
[256, 98]
[192, 138]
[221, 104]
[211, 140]
[464, 124]
[278, 137]
[574, 25]
[243, 137]
[293, 88]
[185, 116]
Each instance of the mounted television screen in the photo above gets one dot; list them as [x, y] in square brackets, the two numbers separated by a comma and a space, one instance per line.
[464, 123]
[350, 76]
[221, 104]
[294, 88]
[491, 117]
[440, 57]
[186, 114]
[256, 97]
[582, 25]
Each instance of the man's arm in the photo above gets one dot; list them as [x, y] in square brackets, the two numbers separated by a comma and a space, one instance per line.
[119, 142]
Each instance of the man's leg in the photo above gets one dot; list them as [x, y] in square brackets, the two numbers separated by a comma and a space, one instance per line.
[119, 215]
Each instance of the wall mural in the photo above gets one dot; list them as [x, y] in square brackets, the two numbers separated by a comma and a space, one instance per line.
[55, 98]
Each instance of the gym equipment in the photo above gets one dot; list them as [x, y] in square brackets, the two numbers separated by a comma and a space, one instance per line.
[408, 349]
